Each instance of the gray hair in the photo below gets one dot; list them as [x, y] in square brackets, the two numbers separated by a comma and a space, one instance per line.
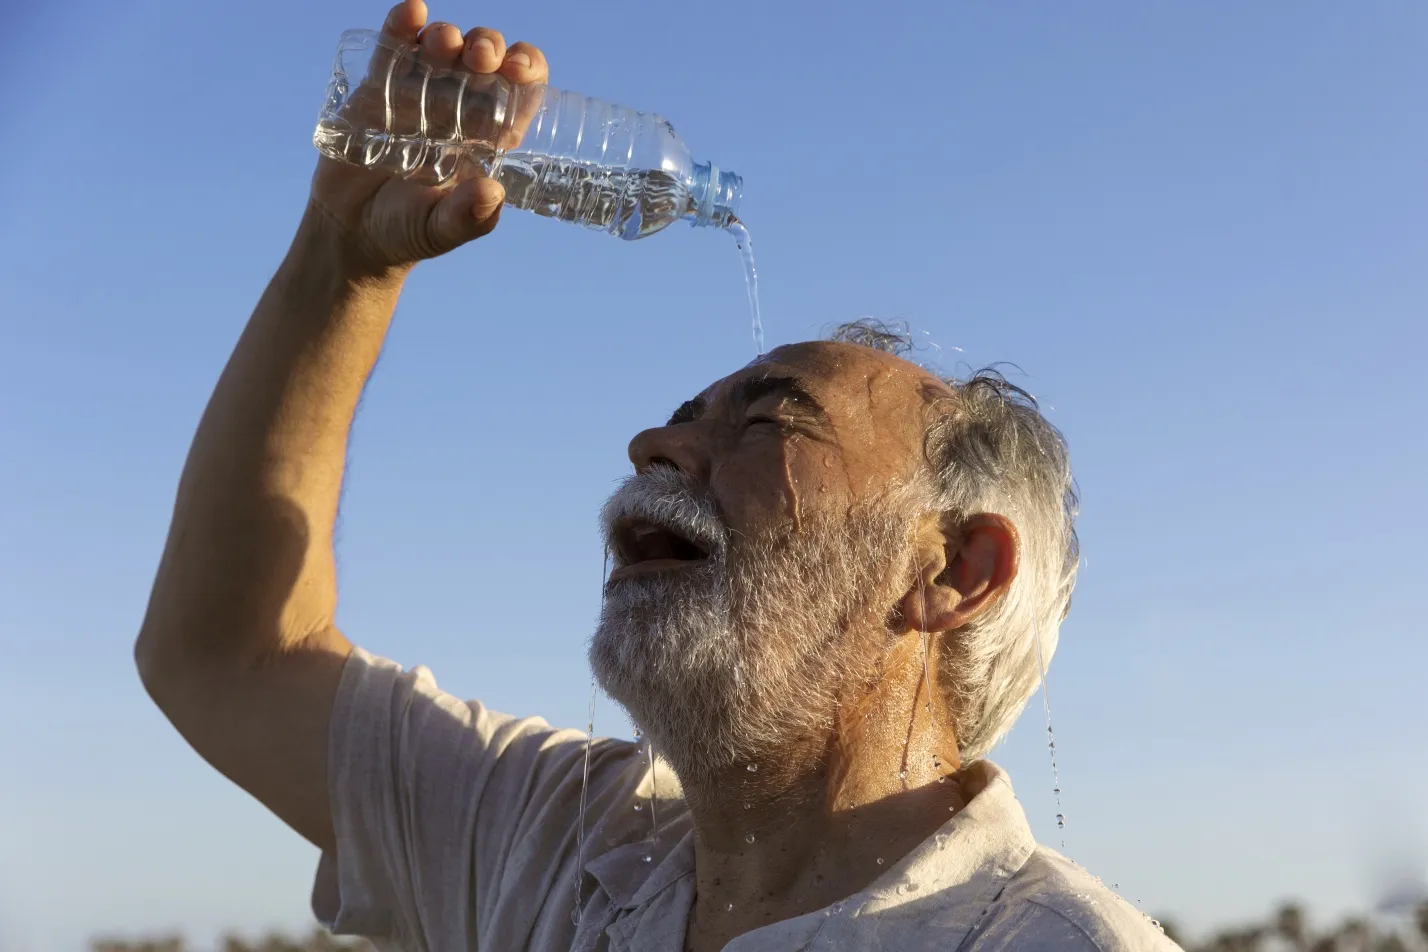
[989, 449]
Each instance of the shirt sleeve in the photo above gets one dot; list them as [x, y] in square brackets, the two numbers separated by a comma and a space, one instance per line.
[429, 795]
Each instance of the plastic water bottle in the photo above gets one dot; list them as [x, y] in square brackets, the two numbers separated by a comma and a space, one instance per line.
[580, 160]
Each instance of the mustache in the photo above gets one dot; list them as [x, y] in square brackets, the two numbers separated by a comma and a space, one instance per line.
[666, 497]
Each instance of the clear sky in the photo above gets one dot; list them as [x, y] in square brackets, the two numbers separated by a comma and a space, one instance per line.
[1200, 230]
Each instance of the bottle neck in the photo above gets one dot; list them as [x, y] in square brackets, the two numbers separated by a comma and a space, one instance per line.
[713, 196]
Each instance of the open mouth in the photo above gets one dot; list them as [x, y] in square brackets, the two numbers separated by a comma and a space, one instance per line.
[644, 546]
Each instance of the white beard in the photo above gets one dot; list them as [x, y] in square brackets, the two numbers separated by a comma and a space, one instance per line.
[748, 652]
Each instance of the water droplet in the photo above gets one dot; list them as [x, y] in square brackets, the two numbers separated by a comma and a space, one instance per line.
[647, 858]
[752, 768]
[585, 786]
[902, 774]
[638, 733]
[940, 839]
[836, 908]
[1061, 821]
[880, 861]
[748, 837]
[728, 907]
[639, 807]
[748, 806]
[1156, 923]
[1056, 790]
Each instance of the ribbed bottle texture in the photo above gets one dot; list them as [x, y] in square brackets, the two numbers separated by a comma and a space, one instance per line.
[558, 154]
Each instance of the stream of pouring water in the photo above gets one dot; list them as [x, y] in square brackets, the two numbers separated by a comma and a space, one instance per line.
[585, 778]
[926, 680]
[584, 786]
[751, 279]
[1050, 735]
[654, 813]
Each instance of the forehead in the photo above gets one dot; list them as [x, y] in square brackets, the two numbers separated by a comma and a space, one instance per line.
[874, 403]
[844, 377]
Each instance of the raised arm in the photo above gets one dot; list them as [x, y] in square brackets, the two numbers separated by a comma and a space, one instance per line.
[238, 646]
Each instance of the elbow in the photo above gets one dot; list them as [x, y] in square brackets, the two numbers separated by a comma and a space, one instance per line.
[150, 663]
[166, 664]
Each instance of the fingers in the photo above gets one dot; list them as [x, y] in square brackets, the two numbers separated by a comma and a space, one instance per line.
[441, 45]
[405, 20]
[467, 212]
[485, 50]
[486, 202]
[525, 64]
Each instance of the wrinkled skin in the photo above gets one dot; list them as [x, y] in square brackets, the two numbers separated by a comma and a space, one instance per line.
[795, 643]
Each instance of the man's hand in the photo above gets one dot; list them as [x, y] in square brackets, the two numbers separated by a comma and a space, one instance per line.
[393, 223]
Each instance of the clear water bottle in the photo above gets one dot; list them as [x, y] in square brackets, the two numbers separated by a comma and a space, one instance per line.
[557, 153]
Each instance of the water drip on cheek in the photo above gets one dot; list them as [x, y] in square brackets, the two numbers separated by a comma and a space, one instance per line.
[790, 488]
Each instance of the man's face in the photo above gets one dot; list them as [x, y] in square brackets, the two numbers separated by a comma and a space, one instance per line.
[758, 549]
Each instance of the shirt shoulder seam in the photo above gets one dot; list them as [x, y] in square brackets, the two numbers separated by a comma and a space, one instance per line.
[1069, 921]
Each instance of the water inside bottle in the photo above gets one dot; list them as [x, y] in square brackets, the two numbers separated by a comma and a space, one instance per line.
[751, 279]
[630, 203]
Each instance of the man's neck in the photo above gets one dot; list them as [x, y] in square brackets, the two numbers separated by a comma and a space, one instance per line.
[805, 828]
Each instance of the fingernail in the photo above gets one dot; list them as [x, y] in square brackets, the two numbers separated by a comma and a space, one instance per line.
[483, 45]
[519, 59]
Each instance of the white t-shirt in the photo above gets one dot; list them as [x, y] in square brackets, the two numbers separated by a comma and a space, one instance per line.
[456, 832]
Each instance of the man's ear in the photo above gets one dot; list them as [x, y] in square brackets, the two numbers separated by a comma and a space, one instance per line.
[964, 567]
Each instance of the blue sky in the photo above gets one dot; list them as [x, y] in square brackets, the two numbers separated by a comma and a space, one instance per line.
[1199, 230]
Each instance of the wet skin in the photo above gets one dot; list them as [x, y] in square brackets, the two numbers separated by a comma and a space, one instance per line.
[812, 430]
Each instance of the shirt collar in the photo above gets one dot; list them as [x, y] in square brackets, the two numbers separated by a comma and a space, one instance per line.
[631, 880]
[947, 882]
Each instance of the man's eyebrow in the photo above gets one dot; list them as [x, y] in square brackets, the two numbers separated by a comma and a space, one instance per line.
[688, 412]
[750, 389]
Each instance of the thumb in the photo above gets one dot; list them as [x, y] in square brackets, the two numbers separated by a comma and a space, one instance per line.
[467, 212]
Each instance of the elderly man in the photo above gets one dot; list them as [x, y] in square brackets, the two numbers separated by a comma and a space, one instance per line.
[834, 579]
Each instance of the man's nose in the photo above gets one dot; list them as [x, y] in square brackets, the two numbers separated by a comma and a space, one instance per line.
[677, 446]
